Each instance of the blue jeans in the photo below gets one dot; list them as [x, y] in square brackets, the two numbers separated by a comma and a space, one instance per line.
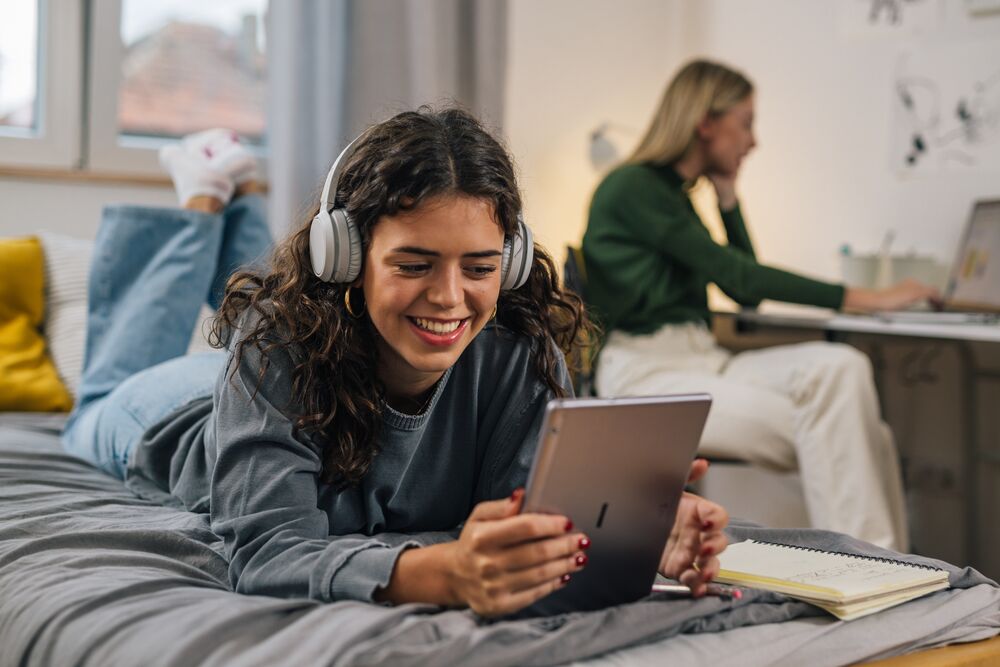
[152, 270]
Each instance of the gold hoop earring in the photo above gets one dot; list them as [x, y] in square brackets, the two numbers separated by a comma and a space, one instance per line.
[494, 315]
[347, 304]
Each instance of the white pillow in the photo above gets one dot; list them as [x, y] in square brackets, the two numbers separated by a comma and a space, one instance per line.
[67, 267]
[199, 337]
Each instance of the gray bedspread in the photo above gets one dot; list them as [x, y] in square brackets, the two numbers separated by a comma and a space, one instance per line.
[92, 575]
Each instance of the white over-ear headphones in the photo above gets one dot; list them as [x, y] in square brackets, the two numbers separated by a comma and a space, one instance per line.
[336, 251]
[334, 241]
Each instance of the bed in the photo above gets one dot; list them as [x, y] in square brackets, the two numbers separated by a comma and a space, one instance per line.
[92, 575]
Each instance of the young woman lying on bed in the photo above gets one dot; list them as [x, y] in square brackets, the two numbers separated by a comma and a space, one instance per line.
[368, 432]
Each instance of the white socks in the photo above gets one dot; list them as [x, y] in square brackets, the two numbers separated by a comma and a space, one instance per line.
[224, 152]
[210, 163]
[192, 176]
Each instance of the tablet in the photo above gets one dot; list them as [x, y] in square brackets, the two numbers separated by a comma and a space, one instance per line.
[616, 467]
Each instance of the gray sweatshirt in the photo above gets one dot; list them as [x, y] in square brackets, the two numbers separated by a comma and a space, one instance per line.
[286, 534]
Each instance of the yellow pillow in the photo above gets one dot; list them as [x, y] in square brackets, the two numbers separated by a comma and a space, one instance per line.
[28, 380]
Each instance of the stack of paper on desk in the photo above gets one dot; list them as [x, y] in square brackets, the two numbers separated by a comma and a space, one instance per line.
[845, 585]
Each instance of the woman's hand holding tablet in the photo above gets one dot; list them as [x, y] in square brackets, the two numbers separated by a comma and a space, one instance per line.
[504, 561]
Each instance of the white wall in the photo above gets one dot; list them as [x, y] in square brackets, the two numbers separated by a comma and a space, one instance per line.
[822, 173]
[574, 64]
[28, 206]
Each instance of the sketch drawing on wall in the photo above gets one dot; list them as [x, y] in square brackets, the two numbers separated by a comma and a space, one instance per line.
[946, 112]
[887, 11]
[878, 19]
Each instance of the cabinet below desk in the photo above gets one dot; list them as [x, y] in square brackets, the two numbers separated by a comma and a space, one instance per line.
[941, 397]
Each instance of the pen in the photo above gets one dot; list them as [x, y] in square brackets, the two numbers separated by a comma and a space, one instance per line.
[713, 589]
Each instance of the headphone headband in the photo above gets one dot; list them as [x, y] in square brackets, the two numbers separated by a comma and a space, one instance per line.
[333, 177]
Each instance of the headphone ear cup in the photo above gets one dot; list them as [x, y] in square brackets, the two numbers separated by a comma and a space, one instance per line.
[504, 262]
[516, 258]
[335, 247]
[321, 246]
[349, 250]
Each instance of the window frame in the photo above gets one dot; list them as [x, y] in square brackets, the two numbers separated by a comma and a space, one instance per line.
[107, 150]
[55, 141]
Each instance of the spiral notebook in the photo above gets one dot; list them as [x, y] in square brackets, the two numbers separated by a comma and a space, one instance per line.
[846, 585]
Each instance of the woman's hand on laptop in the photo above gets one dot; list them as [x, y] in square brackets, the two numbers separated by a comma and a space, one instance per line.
[696, 540]
[901, 295]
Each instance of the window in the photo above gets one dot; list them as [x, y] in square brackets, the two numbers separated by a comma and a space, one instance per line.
[41, 44]
[161, 69]
[158, 69]
[191, 65]
[19, 65]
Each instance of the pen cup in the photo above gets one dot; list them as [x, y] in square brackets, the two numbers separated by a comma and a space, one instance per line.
[860, 270]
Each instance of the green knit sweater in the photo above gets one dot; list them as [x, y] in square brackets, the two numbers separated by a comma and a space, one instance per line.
[649, 258]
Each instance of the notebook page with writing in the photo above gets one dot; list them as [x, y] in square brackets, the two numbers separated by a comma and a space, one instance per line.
[823, 576]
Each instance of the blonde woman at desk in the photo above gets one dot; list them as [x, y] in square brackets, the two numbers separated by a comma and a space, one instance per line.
[649, 260]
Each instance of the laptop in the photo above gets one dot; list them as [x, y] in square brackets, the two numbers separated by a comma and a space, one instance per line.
[617, 468]
[972, 295]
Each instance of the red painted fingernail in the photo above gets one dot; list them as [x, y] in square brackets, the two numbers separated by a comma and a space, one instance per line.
[708, 525]
[569, 525]
[581, 560]
[564, 578]
[584, 543]
[516, 495]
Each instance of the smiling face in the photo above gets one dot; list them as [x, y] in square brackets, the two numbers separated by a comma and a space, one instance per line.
[729, 137]
[431, 281]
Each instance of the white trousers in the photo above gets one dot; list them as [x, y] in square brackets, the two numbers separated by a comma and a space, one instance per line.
[811, 406]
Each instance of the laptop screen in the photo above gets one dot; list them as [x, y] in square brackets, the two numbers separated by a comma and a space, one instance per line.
[975, 275]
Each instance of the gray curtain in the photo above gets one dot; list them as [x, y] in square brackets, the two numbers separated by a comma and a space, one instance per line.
[336, 66]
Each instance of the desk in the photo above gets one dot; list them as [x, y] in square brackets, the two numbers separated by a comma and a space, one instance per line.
[837, 323]
[836, 327]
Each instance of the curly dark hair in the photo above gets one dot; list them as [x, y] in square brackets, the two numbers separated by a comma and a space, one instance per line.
[395, 166]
